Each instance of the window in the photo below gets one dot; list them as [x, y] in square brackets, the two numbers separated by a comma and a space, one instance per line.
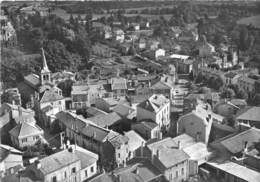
[86, 173]
[176, 174]
[182, 171]
[92, 169]
[35, 137]
[118, 155]
[54, 179]
[170, 177]
[65, 174]
[73, 170]
[24, 140]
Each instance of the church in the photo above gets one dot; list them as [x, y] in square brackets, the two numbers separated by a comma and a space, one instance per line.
[40, 92]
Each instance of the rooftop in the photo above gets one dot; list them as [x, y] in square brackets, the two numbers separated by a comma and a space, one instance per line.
[252, 114]
[135, 140]
[25, 129]
[118, 83]
[105, 120]
[33, 79]
[169, 154]
[57, 161]
[118, 140]
[50, 96]
[235, 144]
[237, 170]
[5, 150]
[154, 103]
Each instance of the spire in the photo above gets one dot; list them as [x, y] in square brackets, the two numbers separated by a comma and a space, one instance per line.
[45, 66]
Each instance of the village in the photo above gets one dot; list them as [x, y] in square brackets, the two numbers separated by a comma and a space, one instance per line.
[150, 104]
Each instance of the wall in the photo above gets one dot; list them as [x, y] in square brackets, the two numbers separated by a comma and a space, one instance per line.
[88, 171]
[30, 140]
[181, 169]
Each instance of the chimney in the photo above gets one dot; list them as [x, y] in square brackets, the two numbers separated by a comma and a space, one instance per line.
[20, 111]
[38, 164]
[158, 153]
[71, 150]
[142, 149]
[246, 146]
[119, 179]
[13, 102]
[179, 144]
[94, 135]
[136, 171]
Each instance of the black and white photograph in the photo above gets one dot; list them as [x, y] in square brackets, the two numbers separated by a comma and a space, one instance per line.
[130, 91]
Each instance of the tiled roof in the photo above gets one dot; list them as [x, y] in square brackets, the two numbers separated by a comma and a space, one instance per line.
[184, 139]
[242, 172]
[79, 89]
[160, 85]
[119, 140]
[95, 132]
[50, 96]
[123, 110]
[236, 143]
[4, 119]
[86, 157]
[118, 83]
[252, 114]
[148, 124]
[230, 75]
[93, 111]
[135, 140]
[33, 79]
[25, 118]
[72, 120]
[25, 129]
[105, 120]
[57, 161]
[169, 154]
[154, 103]
[5, 150]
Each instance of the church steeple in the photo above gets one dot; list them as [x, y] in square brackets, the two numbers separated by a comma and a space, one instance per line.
[45, 66]
[45, 72]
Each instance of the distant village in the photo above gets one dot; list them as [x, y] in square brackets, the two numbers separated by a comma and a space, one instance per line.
[146, 111]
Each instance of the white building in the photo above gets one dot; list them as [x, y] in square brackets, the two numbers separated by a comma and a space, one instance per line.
[158, 53]
[156, 108]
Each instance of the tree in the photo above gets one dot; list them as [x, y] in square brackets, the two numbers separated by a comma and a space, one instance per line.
[227, 93]
[66, 87]
[218, 83]
[241, 94]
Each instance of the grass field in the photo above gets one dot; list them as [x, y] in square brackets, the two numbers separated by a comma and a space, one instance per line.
[253, 20]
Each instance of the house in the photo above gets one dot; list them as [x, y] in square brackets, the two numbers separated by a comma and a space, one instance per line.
[147, 129]
[115, 151]
[182, 63]
[141, 44]
[107, 120]
[62, 76]
[249, 115]
[162, 87]
[246, 83]
[62, 166]
[156, 108]
[12, 95]
[172, 162]
[118, 86]
[238, 160]
[109, 104]
[26, 134]
[197, 151]
[134, 26]
[46, 101]
[198, 123]
[136, 171]
[231, 78]
[118, 35]
[135, 142]
[8, 34]
[101, 50]
[10, 160]
[79, 96]
[88, 161]
[159, 53]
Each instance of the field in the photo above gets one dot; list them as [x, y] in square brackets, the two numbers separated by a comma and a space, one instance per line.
[63, 14]
[253, 20]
